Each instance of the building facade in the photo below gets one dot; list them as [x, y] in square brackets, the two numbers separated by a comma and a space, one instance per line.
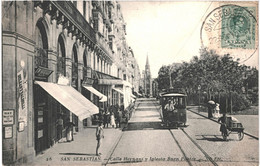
[57, 54]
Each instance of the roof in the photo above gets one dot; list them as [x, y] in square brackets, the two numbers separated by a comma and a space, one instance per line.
[173, 95]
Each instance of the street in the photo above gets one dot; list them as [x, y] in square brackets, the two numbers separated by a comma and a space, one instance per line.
[145, 141]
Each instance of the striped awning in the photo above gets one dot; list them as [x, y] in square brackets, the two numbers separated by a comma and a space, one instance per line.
[70, 98]
[118, 90]
[102, 98]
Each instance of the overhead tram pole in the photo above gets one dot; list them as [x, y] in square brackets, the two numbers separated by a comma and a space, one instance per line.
[199, 88]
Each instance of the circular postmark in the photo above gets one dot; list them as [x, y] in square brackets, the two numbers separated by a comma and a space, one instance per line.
[231, 29]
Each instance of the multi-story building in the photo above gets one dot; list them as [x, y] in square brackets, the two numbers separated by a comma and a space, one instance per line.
[60, 59]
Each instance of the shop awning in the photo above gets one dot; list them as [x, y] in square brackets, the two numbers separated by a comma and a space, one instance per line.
[102, 98]
[138, 94]
[110, 82]
[125, 83]
[70, 98]
[133, 96]
[118, 90]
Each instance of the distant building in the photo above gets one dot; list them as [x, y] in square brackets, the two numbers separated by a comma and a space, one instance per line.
[155, 88]
[147, 79]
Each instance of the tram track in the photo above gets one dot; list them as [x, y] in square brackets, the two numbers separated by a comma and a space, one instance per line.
[108, 157]
[207, 156]
[185, 156]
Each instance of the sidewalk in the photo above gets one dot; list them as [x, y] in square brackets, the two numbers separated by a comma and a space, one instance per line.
[81, 151]
[250, 122]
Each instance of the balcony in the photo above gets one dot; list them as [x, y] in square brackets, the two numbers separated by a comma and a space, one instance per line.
[71, 12]
[41, 58]
[65, 13]
[87, 72]
[74, 70]
[61, 65]
[104, 46]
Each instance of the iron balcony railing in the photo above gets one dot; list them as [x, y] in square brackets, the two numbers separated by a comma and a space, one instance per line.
[41, 58]
[74, 69]
[61, 65]
[87, 72]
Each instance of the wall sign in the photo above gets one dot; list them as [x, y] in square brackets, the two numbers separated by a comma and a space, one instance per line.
[87, 81]
[21, 126]
[22, 85]
[8, 117]
[41, 72]
[8, 131]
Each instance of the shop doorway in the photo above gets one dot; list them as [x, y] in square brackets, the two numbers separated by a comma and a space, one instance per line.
[41, 121]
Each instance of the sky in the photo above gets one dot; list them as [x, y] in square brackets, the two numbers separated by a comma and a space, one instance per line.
[168, 32]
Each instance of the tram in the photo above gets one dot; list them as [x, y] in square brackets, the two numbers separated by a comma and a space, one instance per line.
[173, 109]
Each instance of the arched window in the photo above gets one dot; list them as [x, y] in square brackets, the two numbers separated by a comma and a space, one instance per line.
[85, 58]
[75, 66]
[41, 46]
[61, 63]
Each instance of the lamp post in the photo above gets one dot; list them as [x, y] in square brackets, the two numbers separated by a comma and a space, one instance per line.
[199, 87]
[170, 73]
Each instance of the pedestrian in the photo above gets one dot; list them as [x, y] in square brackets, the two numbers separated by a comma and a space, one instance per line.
[99, 136]
[217, 110]
[120, 116]
[223, 125]
[210, 110]
[106, 119]
[59, 124]
[112, 120]
[69, 131]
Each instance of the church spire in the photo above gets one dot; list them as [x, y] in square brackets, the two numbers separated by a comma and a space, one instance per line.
[147, 61]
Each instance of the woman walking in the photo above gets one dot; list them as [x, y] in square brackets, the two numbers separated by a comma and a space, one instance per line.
[112, 120]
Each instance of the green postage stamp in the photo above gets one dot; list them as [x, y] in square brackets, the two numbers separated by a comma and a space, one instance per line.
[238, 27]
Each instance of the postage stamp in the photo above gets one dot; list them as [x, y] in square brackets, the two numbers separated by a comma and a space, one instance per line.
[231, 29]
[238, 27]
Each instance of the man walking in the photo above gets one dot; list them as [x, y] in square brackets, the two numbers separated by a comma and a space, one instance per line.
[99, 136]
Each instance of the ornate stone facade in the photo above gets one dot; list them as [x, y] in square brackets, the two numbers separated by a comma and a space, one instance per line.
[44, 40]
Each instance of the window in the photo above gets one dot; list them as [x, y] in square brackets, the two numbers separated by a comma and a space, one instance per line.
[41, 47]
[85, 58]
[84, 9]
[61, 64]
[111, 43]
[75, 67]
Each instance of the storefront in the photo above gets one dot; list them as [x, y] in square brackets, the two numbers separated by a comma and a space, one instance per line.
[70, 99]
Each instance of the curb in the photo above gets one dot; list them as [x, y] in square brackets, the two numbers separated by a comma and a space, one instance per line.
[246, 133]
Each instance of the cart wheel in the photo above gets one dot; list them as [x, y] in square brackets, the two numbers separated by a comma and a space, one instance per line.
[224, 136]
[240, 135]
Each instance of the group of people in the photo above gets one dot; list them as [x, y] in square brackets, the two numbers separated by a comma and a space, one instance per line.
[61, 126]
[115, 116]
[170, 105]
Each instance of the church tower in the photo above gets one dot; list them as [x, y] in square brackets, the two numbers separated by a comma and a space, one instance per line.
[147, 78]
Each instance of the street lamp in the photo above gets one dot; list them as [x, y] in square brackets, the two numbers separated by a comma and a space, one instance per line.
[199, 87]
[170, 72]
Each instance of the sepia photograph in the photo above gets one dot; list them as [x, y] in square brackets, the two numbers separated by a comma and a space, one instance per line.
[128, 82]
